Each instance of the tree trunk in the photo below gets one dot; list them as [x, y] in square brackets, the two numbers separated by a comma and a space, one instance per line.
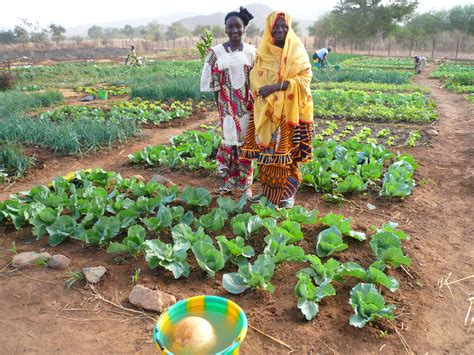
[433, 47]
[411, 46]
[352, 46]
[389, 43]
[334, 47]
[370, 42]
[457, 48]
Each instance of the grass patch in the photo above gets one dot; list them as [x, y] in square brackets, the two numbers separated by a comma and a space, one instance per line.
[13, 161]
[12, 102]
[79, 136]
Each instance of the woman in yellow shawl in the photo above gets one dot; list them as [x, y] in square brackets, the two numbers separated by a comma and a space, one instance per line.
[279, 135]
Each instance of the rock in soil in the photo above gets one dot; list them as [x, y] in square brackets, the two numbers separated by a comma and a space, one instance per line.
[94, 274]
[59, 262]
[146, 298]
[29, 258]
[432, 132]
[160, 179]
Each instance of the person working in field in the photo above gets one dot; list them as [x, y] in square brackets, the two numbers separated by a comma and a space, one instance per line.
[132, 58]
[279, 134]
[420, 62]
[320, 56]
[226, 73]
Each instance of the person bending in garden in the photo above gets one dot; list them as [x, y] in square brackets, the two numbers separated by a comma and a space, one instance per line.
[320, 56]
[132, 58]
[420, 62]
[226, 73]
[279, 134]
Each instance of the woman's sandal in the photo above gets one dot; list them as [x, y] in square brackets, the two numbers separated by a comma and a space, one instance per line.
[256, 198]
[289, 203]
[223, 190]
[247, 193]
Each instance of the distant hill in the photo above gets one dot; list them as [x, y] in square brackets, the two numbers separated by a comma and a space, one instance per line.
[165, 20]
[190, 20]
[259, 11]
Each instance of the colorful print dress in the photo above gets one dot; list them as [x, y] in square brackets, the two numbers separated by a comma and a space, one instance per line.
[227, 74]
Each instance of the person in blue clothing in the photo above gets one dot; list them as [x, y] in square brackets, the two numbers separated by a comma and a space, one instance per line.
[320, 56]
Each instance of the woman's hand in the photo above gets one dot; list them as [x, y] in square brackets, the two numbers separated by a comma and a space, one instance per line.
[264, 91]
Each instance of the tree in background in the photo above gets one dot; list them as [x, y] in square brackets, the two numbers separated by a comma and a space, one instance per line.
[252, 31]
[176, 30]
[153, 31]
[363, 19]
[21, 34]
[326, 27]
[296, 27]
[199, 30]
[428, 25]
[218, 31]
[95, 32]
[57, 32]
[461, 20]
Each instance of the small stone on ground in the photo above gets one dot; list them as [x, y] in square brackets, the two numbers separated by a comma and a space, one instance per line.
[59, 262]
[94, 274]
[151, 300]
[29, 258]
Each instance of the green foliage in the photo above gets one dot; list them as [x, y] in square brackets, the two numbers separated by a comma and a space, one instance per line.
[414, 136]
[168, 256]
[235, 250]
[63, 227]
[184, 236]
[370, 87]
[213, 221]
[163, 220]
[196, 196]
[300, 215]
[191, 149]
[265, 208]
[244, 225]
[386, 245]
[133, 244]
[230, 206]
[13, 161]
[368, 305]
[308, 295]
[256, 275]
[377, 106]
[398, 180]
[330, 241]
[279, 248]
[76, 137]
[12, 102]
[209, 258]
[204, 44]
[345, 167]
[363, 76]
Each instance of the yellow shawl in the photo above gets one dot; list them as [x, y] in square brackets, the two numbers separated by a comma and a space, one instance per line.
[275, 65]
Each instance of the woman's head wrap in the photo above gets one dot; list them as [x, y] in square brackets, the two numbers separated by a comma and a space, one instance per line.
[243, 14]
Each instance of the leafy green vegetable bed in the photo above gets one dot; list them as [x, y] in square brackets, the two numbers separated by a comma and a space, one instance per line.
[136, 110]
[190, 150]
[360, 105]
[369, 132]
[129, 216]
[458, 78]
[350, 167]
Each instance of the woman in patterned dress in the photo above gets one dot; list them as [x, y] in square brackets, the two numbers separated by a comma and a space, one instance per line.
[226, 73]
[280, 131]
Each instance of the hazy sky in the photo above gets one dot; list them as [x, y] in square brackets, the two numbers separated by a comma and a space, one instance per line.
[73, 13]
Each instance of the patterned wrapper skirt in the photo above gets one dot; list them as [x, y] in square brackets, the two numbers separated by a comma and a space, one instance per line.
[279, 162]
